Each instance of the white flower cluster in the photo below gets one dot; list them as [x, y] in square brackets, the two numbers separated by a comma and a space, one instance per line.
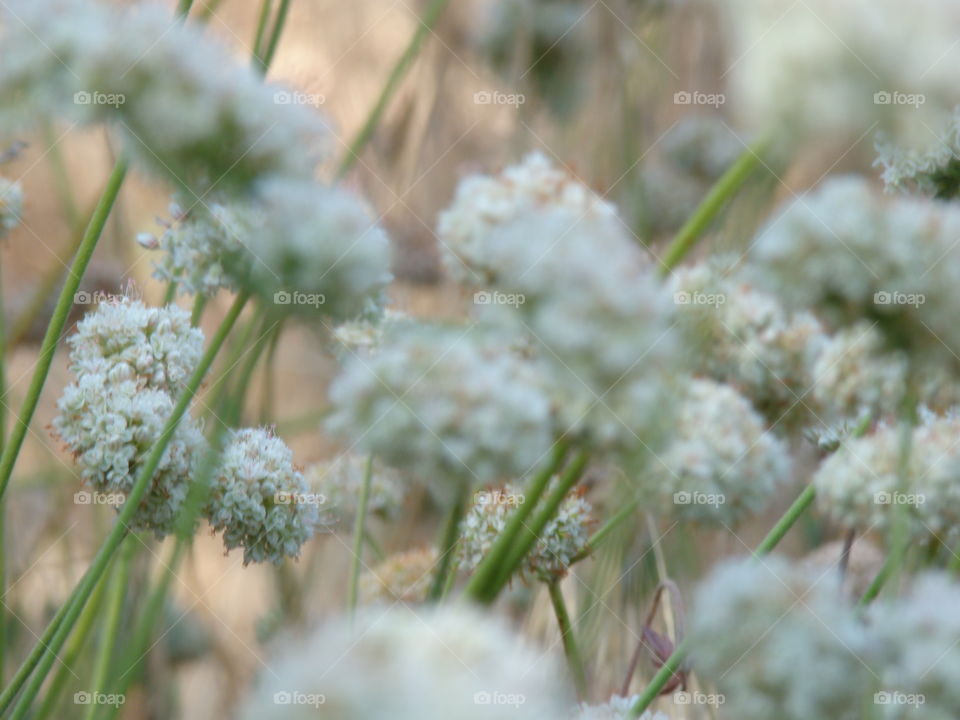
[778, 642]
[818, 67]
[363, 336]
[184, 107]
[434, 664]
[859, 486]
[616, 708]
[11, 205]
[720, 463]
[339, 482]
[934, 170]
[130, 361]
[564, 537]
[446, 404]
[403, 577]
[259, 499]
[483, 203]
[850, 253]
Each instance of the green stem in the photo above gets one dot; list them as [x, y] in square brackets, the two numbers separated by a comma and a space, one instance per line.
[278, 23]
[489, 566]
[358, 530]
[81, 592]
[725, 188]
[183, 9]
[448, 545]
[113, 613]
[670, 667]
[265, 7]
[199, 303]
[399, 70]
[574, 660]
[889, 566]
[171, 292]
[11, 449]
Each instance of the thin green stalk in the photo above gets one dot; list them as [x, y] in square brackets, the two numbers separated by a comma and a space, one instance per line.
[113, 613]
[889, 566]
[489, 566]
[722, 191]
[183, 9]
[399, 70]
[11, 449]
[670, 667]
[199, 303]
[529, 534]
[3, 504]
[279, 21]
[208, 11]
[265, 7]
[235, 411]
[171, 292]
[358, 529]
[953, 566]
[570, 649]
[448, 544]
[269, 386]
[81, 592]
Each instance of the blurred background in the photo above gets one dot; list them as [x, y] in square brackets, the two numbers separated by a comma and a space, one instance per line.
[626, 94]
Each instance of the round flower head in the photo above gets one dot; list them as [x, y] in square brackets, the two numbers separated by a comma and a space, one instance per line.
[778, 643]
[920, 657]
[259, 499]
[850, 253]
[11, 205]
[340, 480]
[432, 664]
[183, 106]
[839, 70]
[110, 423]
[557, 547]
[859, 486]
[720, 463]
[156, 346]
[446, 404]
[746, 338]
[403, 577]
[483, 203]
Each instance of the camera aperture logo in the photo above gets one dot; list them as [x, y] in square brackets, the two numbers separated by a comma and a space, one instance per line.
[294, 97]
[899, 698]
[484, 297]
[294, 697]
[899, 498]
[698, 698]
[283, 297]
[85, 497]
[685, 497]
[485, 697]
[885, 97]
[96, 297]
[498, 497]
[486, 97]
[695, 97]
[884, 297]
[99, 698]
[296, 498]
[699, 298]
[85, 97]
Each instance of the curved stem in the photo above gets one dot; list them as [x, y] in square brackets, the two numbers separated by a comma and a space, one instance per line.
[448, 545]
[570, 650]
[11, 449]
[358, 530]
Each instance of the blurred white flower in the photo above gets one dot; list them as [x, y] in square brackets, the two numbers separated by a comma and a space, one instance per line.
[11, 205]
[428, 664]
[779, 642]
[449, 405]
[259, 499]
[616, 708]
[563, 538]
[933, 170]
[720, 464]
[340, 480]
[402, 577]
[363, 336]
[184, 107]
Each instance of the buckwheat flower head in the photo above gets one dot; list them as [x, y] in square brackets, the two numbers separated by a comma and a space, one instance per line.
[181, 103]
[447, 405]
[156, 346]
[859, 485]
[110, 423]
[850, 253]
[483, 202]
[746, 338]
[720, 463]
[340, 480]
[933, 170]
[432, 664]
[616, 708]
[564, 537]
[920, 658]
[778, 642]
[403, 577]
[831, 69]
[259, 499]
[11, 205]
